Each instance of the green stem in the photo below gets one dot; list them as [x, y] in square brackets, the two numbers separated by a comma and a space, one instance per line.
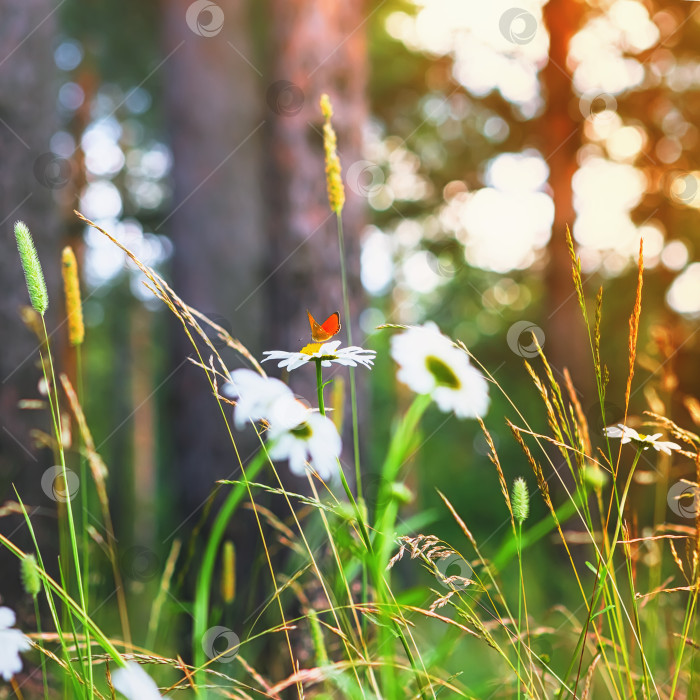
[319, 388]
[72, 674]
[55, 412]
[51, 584]
[690, 608]
[537, 531]
[385, 516]
[84, 506]
[353, 388]
[206, 571]
[409, 655]
[600, 582]
[387, 510]
[43, 659]
[343, 479]
[520, 597]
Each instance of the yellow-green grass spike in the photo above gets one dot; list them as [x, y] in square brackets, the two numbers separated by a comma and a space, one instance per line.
[36, 285]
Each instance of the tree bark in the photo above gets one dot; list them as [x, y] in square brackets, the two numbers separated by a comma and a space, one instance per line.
[566, 343]
[215, 120]
[318, 47]
[29, 178]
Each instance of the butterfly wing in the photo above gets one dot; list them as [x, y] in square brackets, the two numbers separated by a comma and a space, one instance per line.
[332, 324]
[321, 332]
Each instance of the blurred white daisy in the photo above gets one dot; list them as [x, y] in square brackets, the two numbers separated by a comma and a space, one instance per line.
[135, 683]
[326, 352]
[430, 363]
[647, 441]
[12, 641]
[256, 396]
[314, 439]
[295, 431]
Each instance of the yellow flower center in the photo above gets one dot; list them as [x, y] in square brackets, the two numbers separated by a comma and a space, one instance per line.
[311, 348]
[303, 431]
[443, 374]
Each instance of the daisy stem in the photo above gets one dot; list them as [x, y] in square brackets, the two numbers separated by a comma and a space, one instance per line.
[346, 486]
[319, 387]
[401, 449]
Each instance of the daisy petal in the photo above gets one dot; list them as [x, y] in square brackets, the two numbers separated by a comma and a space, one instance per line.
[12, 641]
[430, 363]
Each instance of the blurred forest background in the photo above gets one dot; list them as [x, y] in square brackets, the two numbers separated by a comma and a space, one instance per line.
[470, 134]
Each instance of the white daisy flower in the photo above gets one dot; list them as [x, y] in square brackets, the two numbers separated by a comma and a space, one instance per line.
[12, 641]
[430, 363]
[647, 441]
[256, 396]
[326, 352]
[295, 431]
[135, 683]
[314, 439]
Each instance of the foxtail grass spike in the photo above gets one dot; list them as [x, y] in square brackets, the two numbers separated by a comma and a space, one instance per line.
[317, 639]
[521, 500]
[338, 402]
[634, 326]
[30, 578]
[71, 288]
[36, 284]
[597, 325]
[334, 182]
[228, 579]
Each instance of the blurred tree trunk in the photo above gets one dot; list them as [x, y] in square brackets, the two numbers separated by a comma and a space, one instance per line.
[215, 120]
[566, 342]
[252, 249]
[28, 177]
[257, 286]
[319, 47]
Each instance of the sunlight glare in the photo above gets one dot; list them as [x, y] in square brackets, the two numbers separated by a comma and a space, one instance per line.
[604, 195]
[675, 255]
[683, 295]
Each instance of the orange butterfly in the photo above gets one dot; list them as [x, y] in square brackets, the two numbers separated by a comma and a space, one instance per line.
[321, 332]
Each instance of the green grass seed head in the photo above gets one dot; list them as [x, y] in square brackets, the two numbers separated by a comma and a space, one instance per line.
[30, 577]
[36, 284]
[521, 500]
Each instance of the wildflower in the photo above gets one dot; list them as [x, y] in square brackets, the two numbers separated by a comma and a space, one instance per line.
[327, 353]
[295, 431]
[646, 441]
[429, 363]
[71, 288]
[256, 396]
[135, 683]
[12, 641]
[315, 436]
[32, 269]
